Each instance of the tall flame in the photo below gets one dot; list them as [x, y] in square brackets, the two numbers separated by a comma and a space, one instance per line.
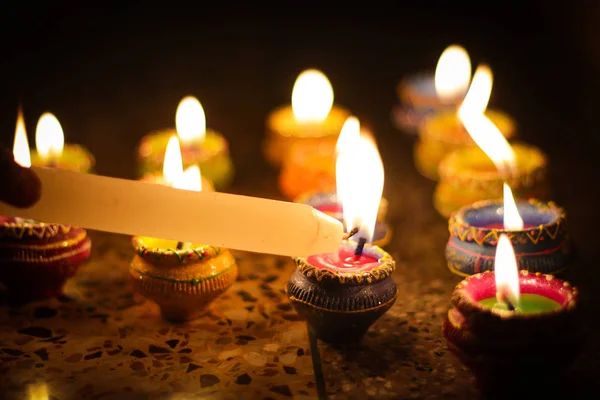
[359, 179]
[483, 131]
[350, 132]
[190, 120]
[49, 137]
[190, 179]
[506, 271]
[173, 164]
[512, 218]
[21, 145]
[452, 73]
[312, 96]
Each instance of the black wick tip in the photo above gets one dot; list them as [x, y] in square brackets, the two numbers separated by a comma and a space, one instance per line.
[360, 247]
[353, 232]
[179, 245]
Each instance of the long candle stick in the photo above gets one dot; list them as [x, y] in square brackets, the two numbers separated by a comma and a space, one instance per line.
[220, 219]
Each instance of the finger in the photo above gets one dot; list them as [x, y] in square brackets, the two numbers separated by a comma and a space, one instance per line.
[21, 187]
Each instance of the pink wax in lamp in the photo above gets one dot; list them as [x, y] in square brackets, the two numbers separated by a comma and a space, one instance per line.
[341, 294]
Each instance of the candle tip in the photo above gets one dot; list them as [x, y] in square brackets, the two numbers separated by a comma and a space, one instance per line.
[360, 247]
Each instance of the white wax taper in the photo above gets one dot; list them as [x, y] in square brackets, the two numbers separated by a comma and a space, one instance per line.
[146, 209]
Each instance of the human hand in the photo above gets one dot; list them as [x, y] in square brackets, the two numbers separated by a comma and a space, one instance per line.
[19, 186]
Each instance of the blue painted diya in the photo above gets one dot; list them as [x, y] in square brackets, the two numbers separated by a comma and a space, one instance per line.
[418, 100]
[329, 204]
[542, 245]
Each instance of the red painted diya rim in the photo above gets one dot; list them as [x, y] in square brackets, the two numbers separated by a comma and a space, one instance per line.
[452, 170]
[28, 229]
[174, 257]
[472, 290]
[384, 268]
[459, 227]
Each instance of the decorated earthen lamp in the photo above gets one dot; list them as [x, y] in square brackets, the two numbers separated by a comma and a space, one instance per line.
[342, 294]
[478, 173]
[52, 151]
[444, 132]
[36, 258]
[514, 330]
[200, 146]
[181, 278]
[425, 94]
[310, 124]
[537, 231]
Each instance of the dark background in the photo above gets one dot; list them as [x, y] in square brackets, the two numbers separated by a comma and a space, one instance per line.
[111, 75]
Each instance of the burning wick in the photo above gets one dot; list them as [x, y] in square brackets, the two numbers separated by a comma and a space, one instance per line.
[179, 245]
[504, 299]
[353, 232]
[360, 247]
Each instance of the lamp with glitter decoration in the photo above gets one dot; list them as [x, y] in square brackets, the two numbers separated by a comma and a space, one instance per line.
[342, 294]
[181, 278]
[537, 230]
[52, 151]
[523, 322]
[36, 258]
[425, 94]
[478, 172]
[310, 124]
[200, 146]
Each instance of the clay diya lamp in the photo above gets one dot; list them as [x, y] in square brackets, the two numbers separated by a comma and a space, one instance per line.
[425, 94]
[468, 175]
[542, 245]
[444, 133]
[331, 205]
[200, 146]
[340, 294]
[311, 118]
[51, 149]
[181, 281]
[37, 258]
[511, 350]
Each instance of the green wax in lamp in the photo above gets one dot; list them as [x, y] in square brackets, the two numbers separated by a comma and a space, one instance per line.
[529, 303]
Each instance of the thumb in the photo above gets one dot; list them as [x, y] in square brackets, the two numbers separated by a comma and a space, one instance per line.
[20, 186]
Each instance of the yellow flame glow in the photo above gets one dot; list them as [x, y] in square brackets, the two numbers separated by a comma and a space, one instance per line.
[49, 137]
[21, 145]
[359, 180]
[512, 218]
[190, 120]
[190, 179]
[452, 73]
[483, 131]
[350, 131]
[38, 391]
[479, 93]
[172, 164]
[506, 271]
[312, 96]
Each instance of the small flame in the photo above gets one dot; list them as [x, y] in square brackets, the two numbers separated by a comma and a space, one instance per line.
[359, 179]
[190, 179]
[483, 131]
[512, 218]
[312, 96]
[37, 391]
[173, 164]
[350, 132]
[190, 120]
[506, 271]
[49, 137]
[452, 74]
[21, 145]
